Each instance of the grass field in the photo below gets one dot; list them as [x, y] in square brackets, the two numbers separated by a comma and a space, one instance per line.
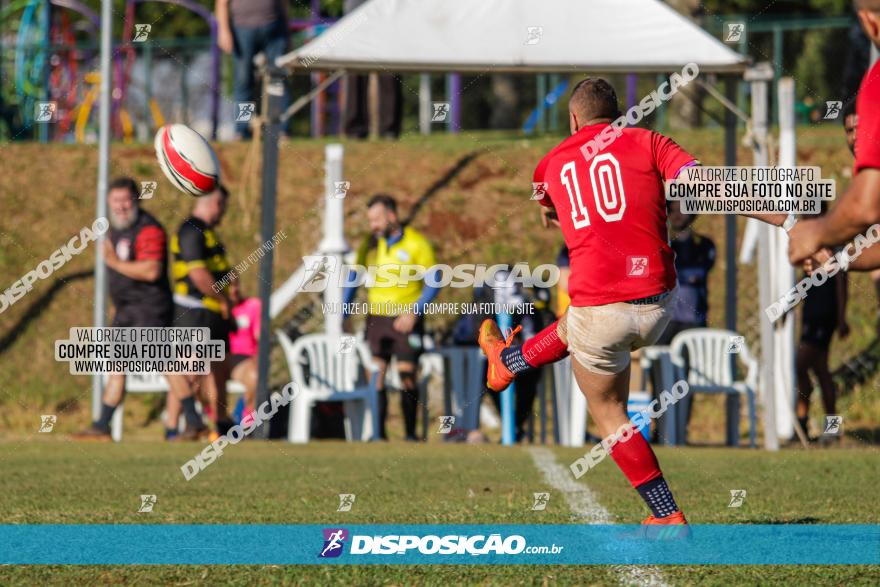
[480, 215]
[52, 481]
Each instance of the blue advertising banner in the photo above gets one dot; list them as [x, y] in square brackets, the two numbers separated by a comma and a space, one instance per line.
[440, 544]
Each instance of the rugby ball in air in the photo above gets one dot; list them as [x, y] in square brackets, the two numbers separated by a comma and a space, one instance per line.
[187, 159]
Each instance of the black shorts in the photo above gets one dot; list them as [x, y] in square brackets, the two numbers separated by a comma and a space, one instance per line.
[386, 342]
[203, 318]
[235, 360]
[818, 330]
[131, 316]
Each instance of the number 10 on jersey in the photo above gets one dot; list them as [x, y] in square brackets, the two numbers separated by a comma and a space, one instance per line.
[606, 184]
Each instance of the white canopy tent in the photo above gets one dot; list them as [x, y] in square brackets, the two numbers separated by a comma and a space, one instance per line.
[496, 36]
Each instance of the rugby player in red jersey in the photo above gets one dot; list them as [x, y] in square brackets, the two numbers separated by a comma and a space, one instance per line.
[137, 264]
[608, 199]
[858, 208]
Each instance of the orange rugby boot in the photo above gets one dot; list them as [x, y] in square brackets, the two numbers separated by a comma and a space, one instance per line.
[492, 342]
[672, 520]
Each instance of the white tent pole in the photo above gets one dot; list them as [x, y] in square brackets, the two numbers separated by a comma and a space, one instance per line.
[425, 108]
[783, 272]
[765, 293]
[101, 195]
[373, 107]
[333, 243]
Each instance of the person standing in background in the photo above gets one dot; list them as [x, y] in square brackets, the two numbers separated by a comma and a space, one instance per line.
[199, 263]
[395, 323]
[357, 105]
[823, 313]
[137, 262]
[562, 298]
[244, 342]
[694, 259]
[244, 29]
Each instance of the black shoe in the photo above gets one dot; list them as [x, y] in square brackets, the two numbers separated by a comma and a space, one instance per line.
[190, 434]
[224, 426]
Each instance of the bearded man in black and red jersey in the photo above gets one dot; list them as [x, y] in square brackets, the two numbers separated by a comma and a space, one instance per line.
[137, 262]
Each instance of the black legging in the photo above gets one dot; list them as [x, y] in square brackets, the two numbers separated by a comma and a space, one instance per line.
[525, 392]
[409, 405]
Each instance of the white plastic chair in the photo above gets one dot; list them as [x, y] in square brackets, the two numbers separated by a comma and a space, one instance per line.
[655, 363]
[322, 373]
[570, 409]
[710, 365]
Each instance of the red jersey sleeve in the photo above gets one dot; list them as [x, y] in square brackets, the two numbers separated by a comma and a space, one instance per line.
[868, 126]
[150, 244]
[540, 186]
[669, 157]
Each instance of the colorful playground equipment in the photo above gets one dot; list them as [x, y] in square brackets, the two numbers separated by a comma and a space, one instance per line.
[54, 59]
[50, 64]
[121, 116]
[124, 64]
[47, 58]
[52, 49]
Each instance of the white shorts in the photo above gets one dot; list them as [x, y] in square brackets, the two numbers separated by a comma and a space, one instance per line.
[601, 338]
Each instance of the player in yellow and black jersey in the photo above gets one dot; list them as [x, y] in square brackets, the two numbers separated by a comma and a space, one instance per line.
[199, 267]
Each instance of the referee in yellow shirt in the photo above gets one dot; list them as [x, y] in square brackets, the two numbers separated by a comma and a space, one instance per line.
[396, 304]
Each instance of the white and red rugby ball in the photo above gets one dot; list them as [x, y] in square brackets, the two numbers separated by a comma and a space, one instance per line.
[187, 159]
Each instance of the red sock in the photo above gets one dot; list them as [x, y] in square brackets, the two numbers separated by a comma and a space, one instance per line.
[636, 459]
[545, 347]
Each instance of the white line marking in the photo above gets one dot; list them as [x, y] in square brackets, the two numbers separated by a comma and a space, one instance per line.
[582, 501]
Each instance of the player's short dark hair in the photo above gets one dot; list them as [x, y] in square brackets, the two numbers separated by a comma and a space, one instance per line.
[594, 98]
[223, 191]
[126, 183]
[869, 5]
[384, 199]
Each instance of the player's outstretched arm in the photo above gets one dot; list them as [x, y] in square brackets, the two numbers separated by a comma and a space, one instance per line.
[857, 209]
[868, 260]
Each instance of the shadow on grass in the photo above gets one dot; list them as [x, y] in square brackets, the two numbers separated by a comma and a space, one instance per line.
[438, 185]
[37, 307]
[865, 435]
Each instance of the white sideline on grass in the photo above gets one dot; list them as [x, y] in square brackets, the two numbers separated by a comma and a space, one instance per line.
[582, 501]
